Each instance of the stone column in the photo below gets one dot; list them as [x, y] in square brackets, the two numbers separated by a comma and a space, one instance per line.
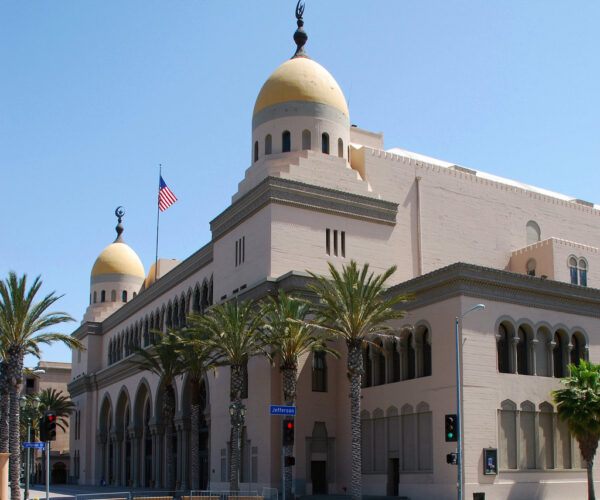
[184, 452]
[178, 462]
[101, 440]
[157, 451]
[512, 355]
[551, 346]
[532, 353]
[135, 435]
[418, 356]
[374, 365]
[402, 356]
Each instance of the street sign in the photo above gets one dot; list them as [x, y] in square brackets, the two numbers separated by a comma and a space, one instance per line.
[283, 410]
[39, 446]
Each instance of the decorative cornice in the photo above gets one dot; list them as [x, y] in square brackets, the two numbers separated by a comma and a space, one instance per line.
[499, 285]
[301, 195]
[88, 328]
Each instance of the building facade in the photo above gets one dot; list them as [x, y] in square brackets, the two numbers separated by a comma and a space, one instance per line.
[319, 190]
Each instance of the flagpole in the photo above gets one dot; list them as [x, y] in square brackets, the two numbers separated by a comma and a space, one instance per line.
[157, 220]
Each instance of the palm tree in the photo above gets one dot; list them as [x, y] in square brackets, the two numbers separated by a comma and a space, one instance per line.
[290, 336]
[197, 360]
[353, 306]
[52, 399]
[163, 358]
[579, 405]
[233, 336]
[21, 323]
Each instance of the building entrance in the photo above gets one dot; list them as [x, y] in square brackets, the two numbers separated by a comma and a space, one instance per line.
[318, 474]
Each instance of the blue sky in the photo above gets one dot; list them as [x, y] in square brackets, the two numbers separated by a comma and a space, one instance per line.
[95, 94]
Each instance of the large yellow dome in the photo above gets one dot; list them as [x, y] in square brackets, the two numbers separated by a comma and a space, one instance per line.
[301, 79]
[118, 258]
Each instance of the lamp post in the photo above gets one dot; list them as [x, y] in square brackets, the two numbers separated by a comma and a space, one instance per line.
[237, 411]
[35, 402]
[459, 436]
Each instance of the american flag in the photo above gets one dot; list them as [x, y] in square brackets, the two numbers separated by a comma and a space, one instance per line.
[165, 196]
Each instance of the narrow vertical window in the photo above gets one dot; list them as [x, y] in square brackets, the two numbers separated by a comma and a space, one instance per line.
[343, 242]
[113, 296]
[236, 252]
[582, 272]
[102, 296]
[335, 242]
[268, 144]
[327, 248]
[124, 295]
[325, 143]
[319, 372]
[256, 151]
[306, 139]
[95, 297]
[573, 270]
[286, 141]
[243, 249]
[340, 148]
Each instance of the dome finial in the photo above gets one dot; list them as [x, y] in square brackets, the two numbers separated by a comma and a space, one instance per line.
[300, 35]
[119, 212]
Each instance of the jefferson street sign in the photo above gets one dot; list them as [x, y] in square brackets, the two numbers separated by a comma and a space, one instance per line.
[283, 410]
[39, 446]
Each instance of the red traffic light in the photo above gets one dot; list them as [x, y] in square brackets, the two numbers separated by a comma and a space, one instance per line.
[51, 418]
[290, 425]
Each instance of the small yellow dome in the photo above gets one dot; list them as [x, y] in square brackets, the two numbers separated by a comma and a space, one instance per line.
[118, 258]
[301, 79]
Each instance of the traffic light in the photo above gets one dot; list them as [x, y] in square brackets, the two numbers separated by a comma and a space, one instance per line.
[452, 458]
[289, 461]
[451, 428]
[288, 431]
[48, 426]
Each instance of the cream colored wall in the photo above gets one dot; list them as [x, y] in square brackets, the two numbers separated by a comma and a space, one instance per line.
[542, 252]
[228, 277]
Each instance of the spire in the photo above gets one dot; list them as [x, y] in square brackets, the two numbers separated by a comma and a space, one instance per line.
[300, 35]
[119, 212]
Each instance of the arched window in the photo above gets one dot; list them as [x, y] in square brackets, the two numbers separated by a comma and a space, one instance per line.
[367, 367]
[103, 296]
[503, 346]
[395, 361]
[95, 297]
[557, 355]
[325, 143]
[573, 269]
[577, 348]
[523, 352]
[268, 144]
[256, 151]
[380, 364]
[340, 148]
[531, 265]
[426, 353]
[410, 357]
[306, 139]
[582, 272]
[113, 296]
[124, 296]
[286, 141]
[533, 232]
[319, 372]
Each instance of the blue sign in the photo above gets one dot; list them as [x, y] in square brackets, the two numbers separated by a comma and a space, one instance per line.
[283, 410]
[39, 446]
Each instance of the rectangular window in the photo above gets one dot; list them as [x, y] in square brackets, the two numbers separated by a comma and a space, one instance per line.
[335, 242]
[583, 277]
[328, 241]
[573, 275]
[240, 251]
[237, 251]
[343, 243]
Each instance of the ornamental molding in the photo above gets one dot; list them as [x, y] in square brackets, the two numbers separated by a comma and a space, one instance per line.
[300, 195]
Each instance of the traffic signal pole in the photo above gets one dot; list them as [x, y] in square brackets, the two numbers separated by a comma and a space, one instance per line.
[47, 470]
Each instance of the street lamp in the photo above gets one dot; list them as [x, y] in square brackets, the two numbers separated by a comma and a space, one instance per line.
[459, 454]
[23, 404]
[237, 411]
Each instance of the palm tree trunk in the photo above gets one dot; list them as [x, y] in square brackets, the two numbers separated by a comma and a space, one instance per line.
[590, 479]
[4, 397]
[354, 371]
[15, 373]
[289, 395]
[195, 445]
[237, 422]
[169, 411]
